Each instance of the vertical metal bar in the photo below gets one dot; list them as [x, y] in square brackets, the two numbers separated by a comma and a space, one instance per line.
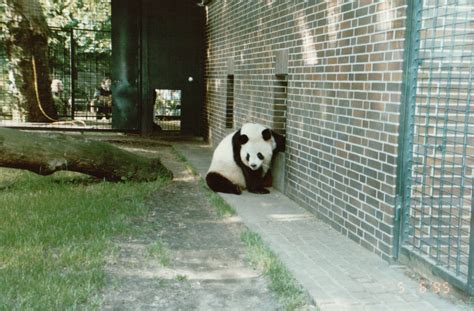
[146, 108]
[405, 141]
[63, 69]
[470, 271]
[72, 63]
[463, 155]
[443, 146]
[470, 268]
[427, 145]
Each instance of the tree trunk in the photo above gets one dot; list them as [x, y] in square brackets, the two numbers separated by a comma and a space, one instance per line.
[45, 154]
[27, 49]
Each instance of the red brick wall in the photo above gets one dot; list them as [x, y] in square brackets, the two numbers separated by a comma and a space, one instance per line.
[343, 97]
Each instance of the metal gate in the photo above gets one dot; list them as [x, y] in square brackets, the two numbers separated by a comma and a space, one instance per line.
[437, 146]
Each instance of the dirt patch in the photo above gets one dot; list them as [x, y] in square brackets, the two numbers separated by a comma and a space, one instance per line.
[205, 268]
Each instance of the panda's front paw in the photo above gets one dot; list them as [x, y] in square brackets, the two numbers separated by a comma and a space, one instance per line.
[237, 190]
[260, 191]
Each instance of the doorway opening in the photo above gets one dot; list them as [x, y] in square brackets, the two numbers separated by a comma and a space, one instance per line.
[167, 109]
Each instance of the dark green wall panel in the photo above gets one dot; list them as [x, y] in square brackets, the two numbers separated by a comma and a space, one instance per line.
[157, 45]
[125, 64]
[173, 33]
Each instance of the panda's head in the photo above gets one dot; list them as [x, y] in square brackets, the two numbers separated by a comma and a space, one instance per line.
[256, 146]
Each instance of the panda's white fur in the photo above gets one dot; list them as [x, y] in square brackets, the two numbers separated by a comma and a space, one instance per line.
[224, 164]
[223, 157]
[249, 152]
[255, 153]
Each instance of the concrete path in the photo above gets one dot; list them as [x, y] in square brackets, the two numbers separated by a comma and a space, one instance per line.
[337, 273]
[200, 263]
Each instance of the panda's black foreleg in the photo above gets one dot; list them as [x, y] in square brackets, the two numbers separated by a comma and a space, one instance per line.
[254, 181]
[259, 190]
[268, 179]
[219, 183]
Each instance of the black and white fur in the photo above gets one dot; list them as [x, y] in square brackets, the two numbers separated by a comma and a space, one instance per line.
[243, 158]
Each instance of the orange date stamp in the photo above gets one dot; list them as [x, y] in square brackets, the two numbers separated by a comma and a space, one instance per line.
[440, 288]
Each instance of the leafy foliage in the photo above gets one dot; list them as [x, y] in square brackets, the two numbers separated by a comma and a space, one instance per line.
[85, 14]
[66, 15]
[88, 21]
[81, 14]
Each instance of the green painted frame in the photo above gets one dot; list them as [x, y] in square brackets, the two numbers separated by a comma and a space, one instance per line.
[406, 131]
[405, 162]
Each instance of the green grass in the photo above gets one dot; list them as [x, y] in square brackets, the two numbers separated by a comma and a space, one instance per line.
[178, 155]
[55, 235]
[282, 283]
[290, 295]
[159, 251]
[220, 205]
[183, 159]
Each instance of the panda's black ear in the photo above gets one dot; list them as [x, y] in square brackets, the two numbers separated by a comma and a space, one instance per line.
[243, 139]
[239, 140]
[266, 134]
[280, 142]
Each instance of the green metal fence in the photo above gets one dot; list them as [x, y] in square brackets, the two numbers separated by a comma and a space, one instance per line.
[5, 111]
[81, 59]
[437, 178]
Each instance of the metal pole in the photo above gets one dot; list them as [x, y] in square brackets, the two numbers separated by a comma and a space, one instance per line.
[72, 73]
[470, 267]
[408, 102]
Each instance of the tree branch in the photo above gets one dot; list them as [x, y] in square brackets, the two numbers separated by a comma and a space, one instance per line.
[45, 154]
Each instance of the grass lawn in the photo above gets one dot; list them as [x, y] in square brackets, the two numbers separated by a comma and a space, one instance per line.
[289, 293]
[56, 233]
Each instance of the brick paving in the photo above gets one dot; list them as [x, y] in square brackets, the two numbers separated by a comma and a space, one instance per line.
[338, 273]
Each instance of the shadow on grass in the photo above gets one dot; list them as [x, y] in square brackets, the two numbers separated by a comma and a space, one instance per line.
[57, 231]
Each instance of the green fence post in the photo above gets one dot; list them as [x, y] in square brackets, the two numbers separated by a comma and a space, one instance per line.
[470, 271]
[407, 115]
[73, 74]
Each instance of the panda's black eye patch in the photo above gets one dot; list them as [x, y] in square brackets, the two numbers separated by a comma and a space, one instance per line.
[260, 156]
[247, 157]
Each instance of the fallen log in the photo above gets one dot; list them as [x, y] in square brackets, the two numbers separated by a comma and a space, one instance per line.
[46, 153]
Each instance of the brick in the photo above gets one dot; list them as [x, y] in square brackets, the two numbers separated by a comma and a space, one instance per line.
[339, 107]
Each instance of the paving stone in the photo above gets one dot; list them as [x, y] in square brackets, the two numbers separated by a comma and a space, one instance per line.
[354, 277]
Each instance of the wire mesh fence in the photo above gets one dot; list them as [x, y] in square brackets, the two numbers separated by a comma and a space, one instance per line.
[439, 225]
[78, 63]
[84, 74]
[5, 110]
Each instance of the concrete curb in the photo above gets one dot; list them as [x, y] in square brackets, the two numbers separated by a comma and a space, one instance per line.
[337, 273]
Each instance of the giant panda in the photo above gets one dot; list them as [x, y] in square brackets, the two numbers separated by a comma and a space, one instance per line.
[242, 160]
